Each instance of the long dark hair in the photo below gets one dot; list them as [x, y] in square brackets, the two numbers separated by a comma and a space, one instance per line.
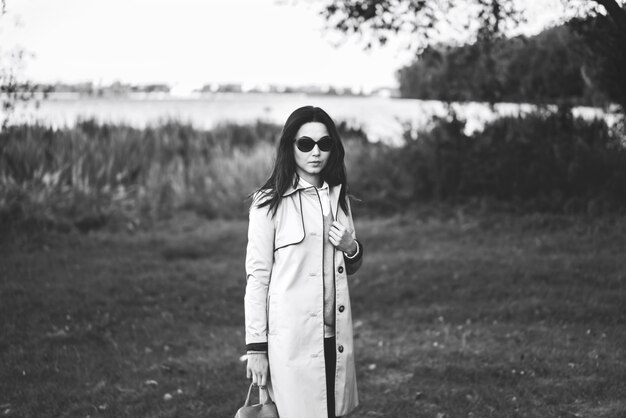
[284, 173]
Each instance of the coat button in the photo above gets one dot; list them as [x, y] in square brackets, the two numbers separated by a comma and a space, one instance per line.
[340, 269]
[340, 348]
[342, 308]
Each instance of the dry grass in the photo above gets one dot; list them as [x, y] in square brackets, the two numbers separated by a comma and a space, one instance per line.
[96, 174]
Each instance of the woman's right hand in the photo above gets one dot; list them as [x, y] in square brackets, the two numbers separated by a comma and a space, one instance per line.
[257, 368]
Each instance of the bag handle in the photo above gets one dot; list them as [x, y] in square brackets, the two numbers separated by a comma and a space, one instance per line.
[268, 398]
[247, 402]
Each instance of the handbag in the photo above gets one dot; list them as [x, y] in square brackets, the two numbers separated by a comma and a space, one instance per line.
[266, 409]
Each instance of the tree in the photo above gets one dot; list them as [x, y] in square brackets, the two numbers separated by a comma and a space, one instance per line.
[545, 68]
[14, 90]
[604, 53]
[378, 20]
[425, 21]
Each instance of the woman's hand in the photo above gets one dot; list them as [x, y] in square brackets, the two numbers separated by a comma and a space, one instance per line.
[257, 368]
[341, 238]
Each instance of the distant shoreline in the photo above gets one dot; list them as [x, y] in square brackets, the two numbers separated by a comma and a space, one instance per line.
[63, 95]
[381, 118]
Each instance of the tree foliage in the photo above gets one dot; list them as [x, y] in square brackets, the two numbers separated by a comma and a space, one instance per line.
[379, 20]
[546, 68]
[603, 49]
[15, 90]
[601, 25]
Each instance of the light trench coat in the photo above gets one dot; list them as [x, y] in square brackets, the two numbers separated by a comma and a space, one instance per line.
[284, 306]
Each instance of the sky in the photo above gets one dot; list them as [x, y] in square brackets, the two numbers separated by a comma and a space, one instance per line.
[190, 43]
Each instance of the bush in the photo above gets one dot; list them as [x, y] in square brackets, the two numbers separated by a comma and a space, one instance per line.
[542, 161]
[98, 174]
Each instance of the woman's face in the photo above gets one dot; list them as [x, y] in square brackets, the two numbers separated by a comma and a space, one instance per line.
[309, 164]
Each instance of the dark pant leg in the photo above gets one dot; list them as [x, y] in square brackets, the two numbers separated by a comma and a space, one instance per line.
[331, 364]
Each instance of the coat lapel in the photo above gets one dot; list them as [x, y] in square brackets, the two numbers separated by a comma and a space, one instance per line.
[334, 200]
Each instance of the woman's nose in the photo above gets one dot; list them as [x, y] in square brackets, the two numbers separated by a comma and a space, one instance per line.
[316, 150]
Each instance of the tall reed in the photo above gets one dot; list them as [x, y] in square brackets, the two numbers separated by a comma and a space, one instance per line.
[95, 174]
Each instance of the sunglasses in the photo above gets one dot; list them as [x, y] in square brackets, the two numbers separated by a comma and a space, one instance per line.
[306, 144]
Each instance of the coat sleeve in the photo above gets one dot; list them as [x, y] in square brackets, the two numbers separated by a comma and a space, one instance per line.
[259, 261]
[353, 264]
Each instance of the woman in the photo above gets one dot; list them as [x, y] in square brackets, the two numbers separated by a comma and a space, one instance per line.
[301, 247]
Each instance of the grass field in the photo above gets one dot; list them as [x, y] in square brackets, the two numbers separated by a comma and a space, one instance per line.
[489, 316]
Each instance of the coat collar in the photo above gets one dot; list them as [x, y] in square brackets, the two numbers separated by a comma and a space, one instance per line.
[302, 184]
[334, 194]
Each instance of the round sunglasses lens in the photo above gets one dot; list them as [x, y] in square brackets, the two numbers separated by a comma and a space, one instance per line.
[305, 144]
[325, 144]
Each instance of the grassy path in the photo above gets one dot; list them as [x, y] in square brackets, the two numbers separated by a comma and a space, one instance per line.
[499, 317]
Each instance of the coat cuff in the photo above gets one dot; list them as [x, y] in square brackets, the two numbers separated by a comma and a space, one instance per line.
[257, 347]
[356, 257]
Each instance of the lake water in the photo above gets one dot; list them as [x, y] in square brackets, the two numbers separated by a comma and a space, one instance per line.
[382, 118]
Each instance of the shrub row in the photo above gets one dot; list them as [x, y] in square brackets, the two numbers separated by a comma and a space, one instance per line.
[93, 174]
[548, 162]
